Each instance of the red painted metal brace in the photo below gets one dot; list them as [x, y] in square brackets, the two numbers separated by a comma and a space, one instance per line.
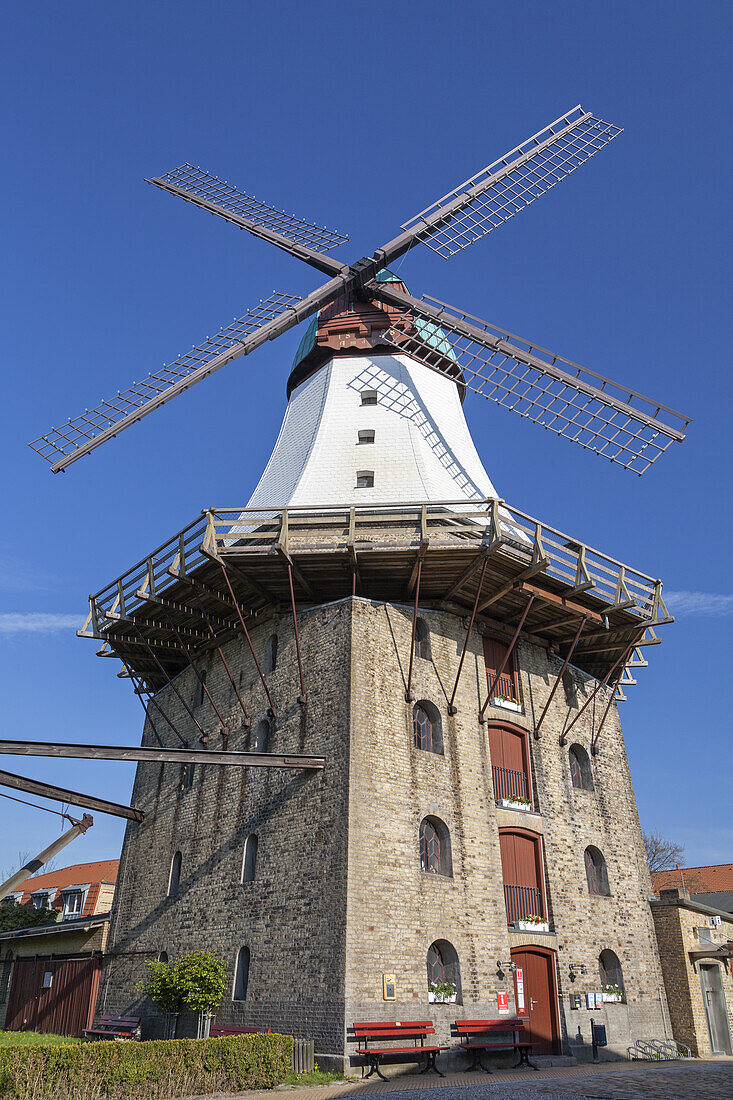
[621, 661]
[451, 708]
[505, 662]
[596, 736]
[409, 697]
[560, 675]
[301, 697]
[273, 711]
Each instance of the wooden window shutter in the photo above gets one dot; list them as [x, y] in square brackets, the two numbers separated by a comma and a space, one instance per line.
[494, 654]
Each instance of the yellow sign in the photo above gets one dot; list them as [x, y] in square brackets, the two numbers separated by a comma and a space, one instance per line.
[389, 987]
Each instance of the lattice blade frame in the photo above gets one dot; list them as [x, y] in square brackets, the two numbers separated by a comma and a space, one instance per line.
[62, 446]
[574, 402]
[198, 185]
[510, 184]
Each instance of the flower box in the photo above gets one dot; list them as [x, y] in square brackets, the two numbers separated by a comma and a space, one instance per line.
[442, 998]
[510, 804]
[532, 926]
[506, 704]
[614, 995]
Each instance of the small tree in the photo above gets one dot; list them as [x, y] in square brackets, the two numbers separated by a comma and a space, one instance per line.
[201, 981]
[662, 854]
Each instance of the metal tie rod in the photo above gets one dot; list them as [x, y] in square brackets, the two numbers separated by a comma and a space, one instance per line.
[168, 756]
[74, 798]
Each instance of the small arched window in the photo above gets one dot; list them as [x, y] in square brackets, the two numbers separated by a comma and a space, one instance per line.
[443, 970]
[187, 776]
[249, 858]
[435, 853]
[162, 956]
[269, 663]
[427, 733]
[174, 879]
[596, 872]
[368, 397]
[262, 736]
[610, 972]
[580, 772]
[422, 640]
[365, 479]
[241, 975]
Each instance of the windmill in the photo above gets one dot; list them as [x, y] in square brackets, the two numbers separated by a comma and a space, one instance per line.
[574, 402]
[297, 623]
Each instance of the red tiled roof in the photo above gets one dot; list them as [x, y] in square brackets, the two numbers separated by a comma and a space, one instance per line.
[78, 874]
[698, 880]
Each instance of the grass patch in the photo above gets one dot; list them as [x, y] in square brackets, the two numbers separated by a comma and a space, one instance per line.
[317, 1077]
[34, 1039]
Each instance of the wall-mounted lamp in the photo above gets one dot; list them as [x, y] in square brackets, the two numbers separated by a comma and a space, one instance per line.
[580, 967]
[511, 966]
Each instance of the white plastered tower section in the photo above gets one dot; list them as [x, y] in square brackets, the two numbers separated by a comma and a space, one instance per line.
[422, 449]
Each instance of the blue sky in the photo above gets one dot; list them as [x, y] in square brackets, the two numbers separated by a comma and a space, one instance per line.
[357, 116]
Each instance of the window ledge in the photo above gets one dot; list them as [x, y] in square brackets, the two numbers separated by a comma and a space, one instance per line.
[507, 804]
[507, 704]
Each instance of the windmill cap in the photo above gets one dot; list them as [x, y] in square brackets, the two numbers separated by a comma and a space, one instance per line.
[349, 326]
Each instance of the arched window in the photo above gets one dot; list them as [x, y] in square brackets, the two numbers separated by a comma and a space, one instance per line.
[427, 733]
[249, 858]
[422, 639]
[368, 397]
[174, 879]
[595, 871]
[435, 853]
[241, 975]
[187, 775]
[443, 970]
[162, 956]
[269, 662]
[365, 479]
[261, 736]
[610, 972]
[580, 772]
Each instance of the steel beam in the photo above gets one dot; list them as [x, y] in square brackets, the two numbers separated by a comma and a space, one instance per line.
[409, 697]
[74, 798]
[451, 708]
[560, 675]
[170, 756]
[505, 662]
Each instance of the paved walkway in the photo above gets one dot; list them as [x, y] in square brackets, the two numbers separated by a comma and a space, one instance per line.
[698, 1080]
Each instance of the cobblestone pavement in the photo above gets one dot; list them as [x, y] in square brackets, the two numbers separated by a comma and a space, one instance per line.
[613, 1081]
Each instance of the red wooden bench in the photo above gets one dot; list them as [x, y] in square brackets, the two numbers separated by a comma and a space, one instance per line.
[479, 1035]
[114, 1027]
[217, 1031]
[410, 1033]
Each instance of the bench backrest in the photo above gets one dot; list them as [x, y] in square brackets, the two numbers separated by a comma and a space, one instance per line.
[488, 1027]
[392, 1030]
[218, 1030]
[119, 1021]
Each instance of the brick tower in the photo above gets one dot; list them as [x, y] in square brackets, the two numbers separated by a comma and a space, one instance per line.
[451, 664]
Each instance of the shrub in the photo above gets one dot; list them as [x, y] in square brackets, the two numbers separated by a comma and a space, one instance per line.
[160, 986]
[145, 1071]
[200, 979]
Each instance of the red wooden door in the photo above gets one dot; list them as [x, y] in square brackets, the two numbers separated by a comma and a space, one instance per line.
[522, 874]
[539, 1010]
[62, 1004]
[508, 750]
[494, 654]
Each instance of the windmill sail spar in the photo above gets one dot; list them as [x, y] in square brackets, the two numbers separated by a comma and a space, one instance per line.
[510, 184]
[570, 400]
[62, 446]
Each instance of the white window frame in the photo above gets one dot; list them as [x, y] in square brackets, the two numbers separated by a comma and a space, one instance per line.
[83, 890]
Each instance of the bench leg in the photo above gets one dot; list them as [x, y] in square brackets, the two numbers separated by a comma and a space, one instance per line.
[524, 1059]
[430, 1065]
[477, 1063]
[374, 1063]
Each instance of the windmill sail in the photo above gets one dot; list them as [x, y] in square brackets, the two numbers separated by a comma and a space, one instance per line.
[510, 184]
[570, 400]
[62, 446]
[302, 239]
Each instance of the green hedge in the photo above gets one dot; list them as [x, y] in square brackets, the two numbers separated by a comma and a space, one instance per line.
[175, 1067]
